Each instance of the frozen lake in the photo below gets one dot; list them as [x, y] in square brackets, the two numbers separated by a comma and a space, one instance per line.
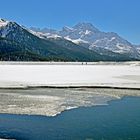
[28, 89]
[70, 74]
[25, 86]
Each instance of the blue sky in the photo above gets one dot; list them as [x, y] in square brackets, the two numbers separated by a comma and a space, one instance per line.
[120, 16]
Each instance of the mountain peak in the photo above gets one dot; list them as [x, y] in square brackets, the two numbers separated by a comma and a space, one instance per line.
[3, 22]
[85, 26]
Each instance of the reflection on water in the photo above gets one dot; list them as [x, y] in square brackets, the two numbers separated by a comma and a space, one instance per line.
[118, 121]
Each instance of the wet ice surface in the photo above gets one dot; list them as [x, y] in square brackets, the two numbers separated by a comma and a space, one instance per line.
[51, 102]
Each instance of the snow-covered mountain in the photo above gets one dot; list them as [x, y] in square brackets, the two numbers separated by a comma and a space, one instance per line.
[83, 42]
[17, 43]
[85, 34]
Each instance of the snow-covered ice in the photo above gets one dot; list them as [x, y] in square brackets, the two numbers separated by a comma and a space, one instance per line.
[70, 74]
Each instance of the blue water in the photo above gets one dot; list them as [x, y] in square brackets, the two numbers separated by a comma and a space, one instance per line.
[120, 120]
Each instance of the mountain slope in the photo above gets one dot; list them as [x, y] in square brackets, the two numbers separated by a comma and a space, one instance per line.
[12, 51]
